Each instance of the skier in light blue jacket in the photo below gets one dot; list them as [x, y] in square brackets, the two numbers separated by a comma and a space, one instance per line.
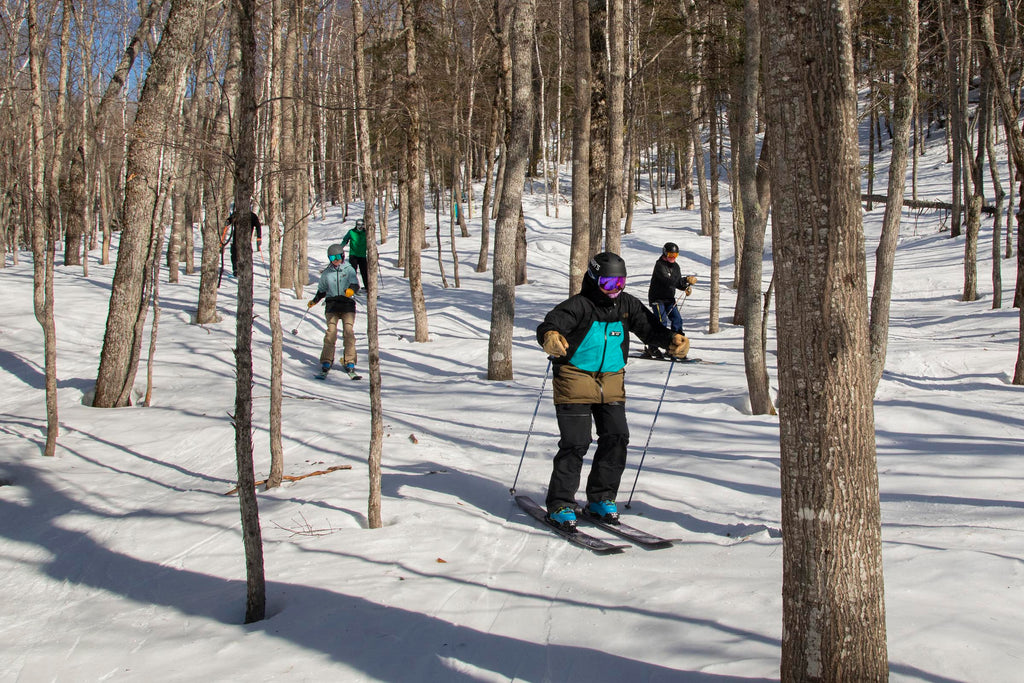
[338, 284]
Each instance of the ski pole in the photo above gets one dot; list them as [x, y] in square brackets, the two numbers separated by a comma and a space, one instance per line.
[644, 454]
[296, 330]
[512, 491]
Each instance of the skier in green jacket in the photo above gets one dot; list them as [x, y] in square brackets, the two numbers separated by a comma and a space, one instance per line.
[355, 240]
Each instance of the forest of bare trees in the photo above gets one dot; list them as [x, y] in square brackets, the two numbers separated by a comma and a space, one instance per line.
[130, 131]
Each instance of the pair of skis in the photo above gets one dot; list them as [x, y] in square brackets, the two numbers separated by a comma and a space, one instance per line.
[585, 540]
[322, 375]
[678, 360]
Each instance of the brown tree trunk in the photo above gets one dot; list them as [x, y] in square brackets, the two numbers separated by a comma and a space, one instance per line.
[42, 235]
[485, 202]
[290, 160]
[272, 225]
[754, 219]
[616, 122]
[374, 517]
[244, 177]
[129, 298]
[833, 596]
[1015, 143]
[580, 249]
[499, 352]
[598, 125]
[414, 105]
[885, 254]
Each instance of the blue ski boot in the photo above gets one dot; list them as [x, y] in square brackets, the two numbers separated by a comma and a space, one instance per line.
[325, 367]
[604, 510]
[564, 518]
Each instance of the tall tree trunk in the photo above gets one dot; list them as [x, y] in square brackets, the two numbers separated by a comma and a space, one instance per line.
[715, 266]
[598, 124]
[1015, 143]
[973, 178]
[290, 160]
[414, 105]
[951, 24]
[580, 249]
[485, 202]
[885, 254]
[244, 176]
[373, 506]
[42, 236]
[754, 218]
[738, 224]
[833, 595]
[272, 224]
[219, 188]
[616, 121]
[122, 341]
[55, 168]
[1000, 198]
[503, 297]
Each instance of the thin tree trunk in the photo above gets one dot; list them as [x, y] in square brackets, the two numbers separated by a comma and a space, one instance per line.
[272, 224]
[1015, 143]
[244, 176]
[997, 219]
[42, 237]
[499, 353]
[414, 104]
[754, 219]
[616, 122]
[485, 205]
[885, 254]
[598, 125]
[715, 225]
[373, 507]
[580, 248]
[290, 161]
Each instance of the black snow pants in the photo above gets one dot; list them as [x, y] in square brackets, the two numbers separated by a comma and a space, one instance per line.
[609, 460]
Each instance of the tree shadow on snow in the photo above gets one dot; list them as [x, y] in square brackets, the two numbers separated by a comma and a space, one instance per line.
[383, 642]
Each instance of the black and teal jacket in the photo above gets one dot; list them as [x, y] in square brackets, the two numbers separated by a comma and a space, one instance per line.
[597, 328]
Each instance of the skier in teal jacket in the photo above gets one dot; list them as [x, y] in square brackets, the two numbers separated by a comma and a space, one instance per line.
[587, 336]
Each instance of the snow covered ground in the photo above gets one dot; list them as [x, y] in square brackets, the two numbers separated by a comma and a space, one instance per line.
[121, 558]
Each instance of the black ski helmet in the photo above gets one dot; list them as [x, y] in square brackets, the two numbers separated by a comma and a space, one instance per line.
[335, 250]
[360, 225]
[606, 264]
[670, 246]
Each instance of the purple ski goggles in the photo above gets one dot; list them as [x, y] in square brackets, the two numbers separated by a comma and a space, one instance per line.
[611, 284]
